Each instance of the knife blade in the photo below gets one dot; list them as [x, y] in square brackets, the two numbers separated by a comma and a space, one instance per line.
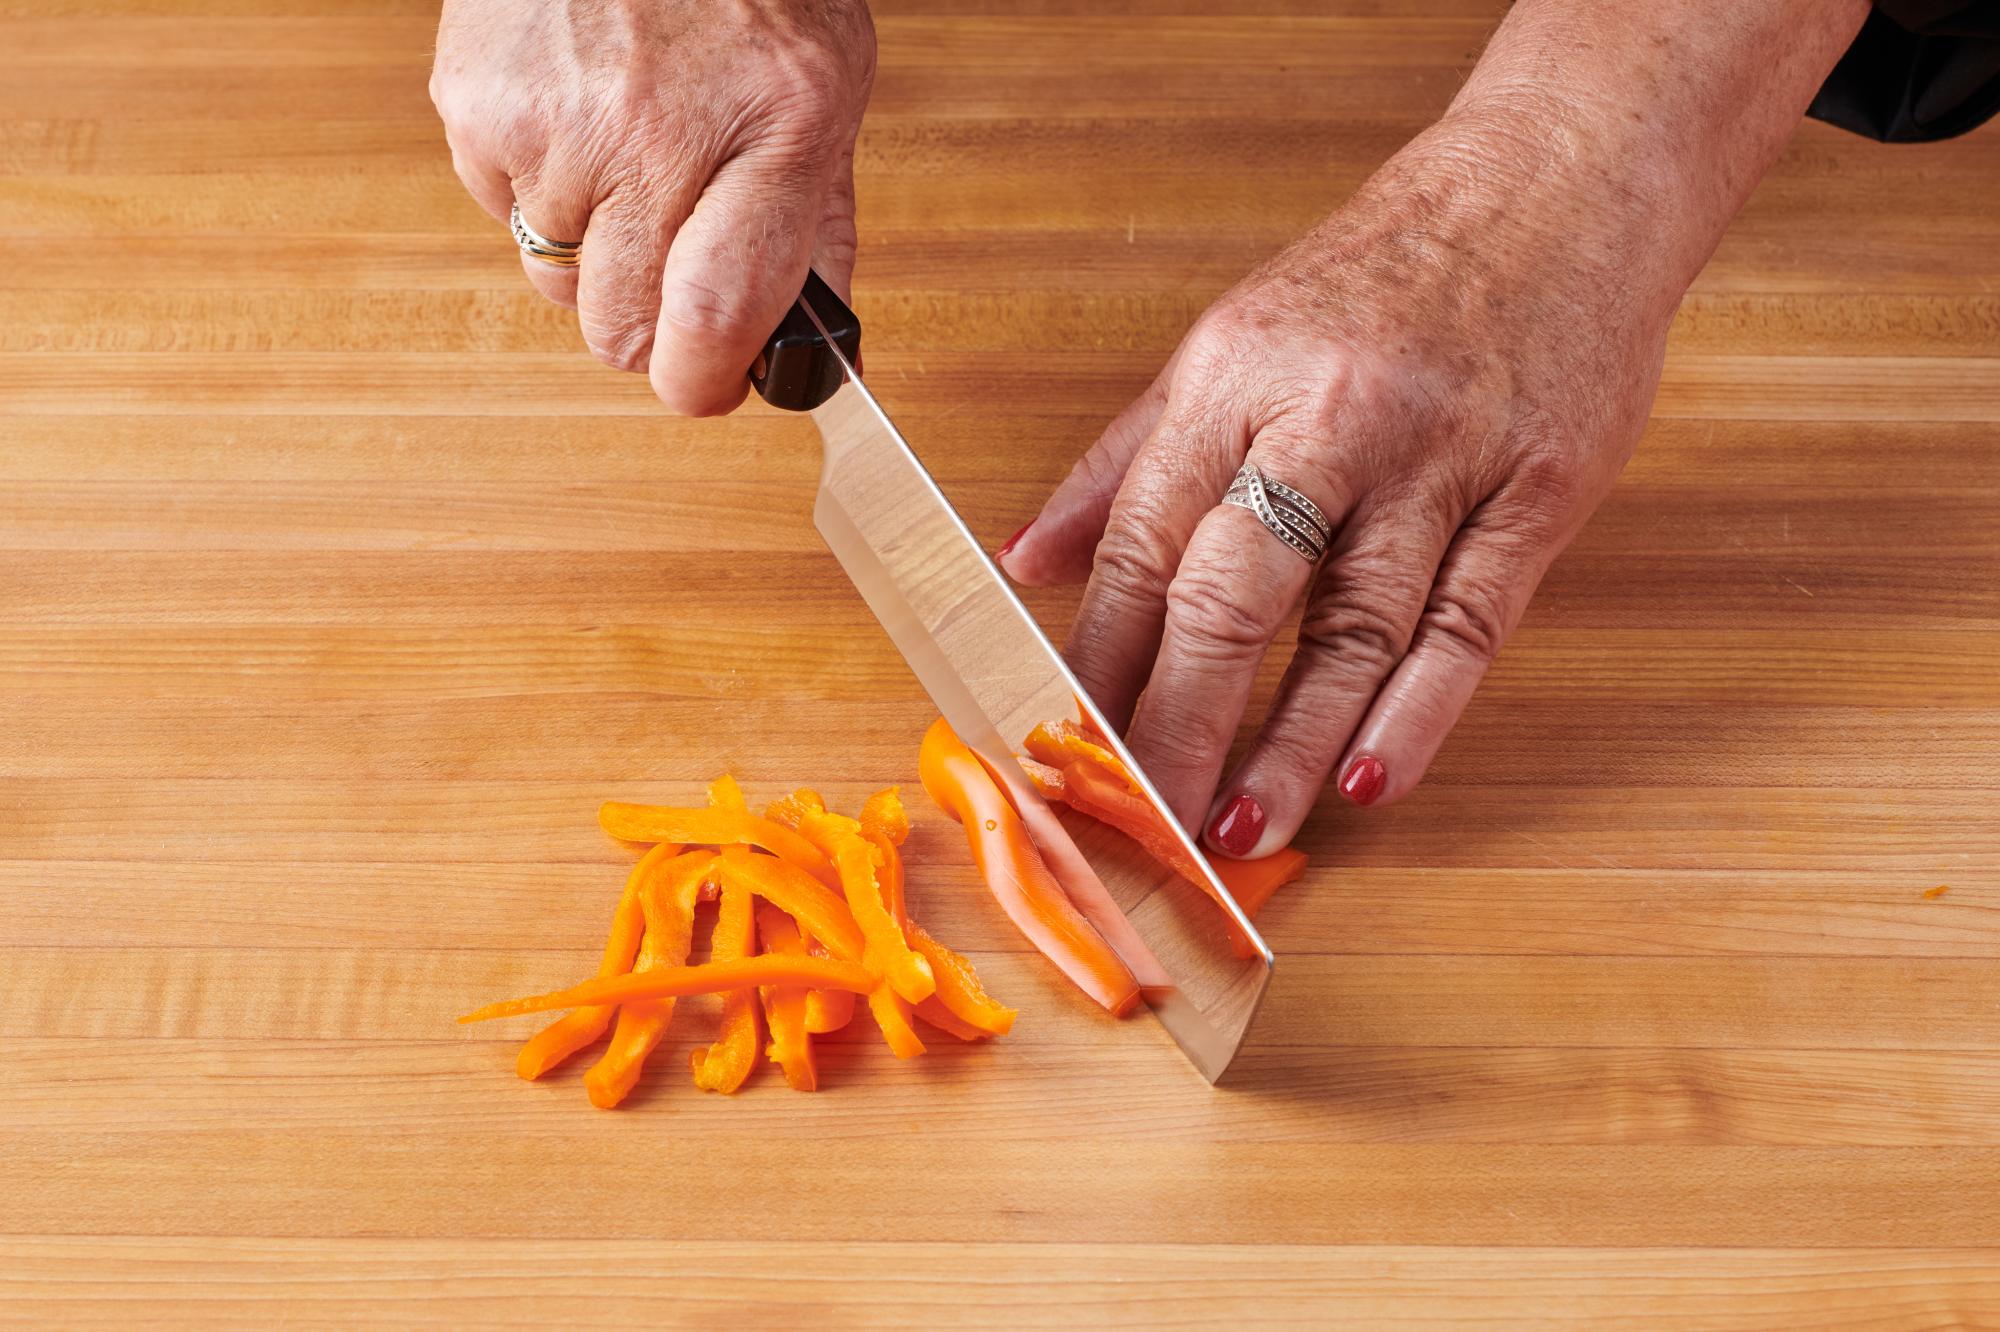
[994, 676]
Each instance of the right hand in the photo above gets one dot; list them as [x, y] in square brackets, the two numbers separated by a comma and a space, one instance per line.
[702, 151]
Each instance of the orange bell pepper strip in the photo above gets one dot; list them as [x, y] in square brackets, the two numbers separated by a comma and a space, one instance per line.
[573, 1031]
[1096, 790]
[1062, 743]
[958, 989]
[724, 793]
[788, 810]
[713, 827]
[933, 1011]
[723, 1066]
[883, 813]
[819, 912]
[892, 1014]
[1015, 873]
[668, 903]
[886, 951]
[827, 1010]
[827, 973]
[1252, 882]
[785, 1005]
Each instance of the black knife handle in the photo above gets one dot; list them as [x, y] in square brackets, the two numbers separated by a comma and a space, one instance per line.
[797, 370]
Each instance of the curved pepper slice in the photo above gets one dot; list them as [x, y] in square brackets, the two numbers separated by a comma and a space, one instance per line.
[886, 951]
[1014, 871]
[819, 911]
[574, 1030]
[958, 989]
[785, 1005]
[724, 793]
[678, 982]
[827, 1010]
[713, 827]
[723, 1066]
[892, 1014]
[1061, 743]
[668, 903]
[933, 1011]
[883, 814]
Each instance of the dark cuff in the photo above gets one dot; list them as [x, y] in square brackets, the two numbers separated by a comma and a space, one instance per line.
[1919, 70]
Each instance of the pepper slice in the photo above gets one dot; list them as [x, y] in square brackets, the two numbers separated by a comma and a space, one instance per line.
[724, 793]
[958, 989]
[819, 912]
[667, 901]
[883, 813]
[785, 1005]
[827, 1010]
[886, 952]
[1015, 873]
[1061, 743]
[933, 1011]
[713, 827]
[573, 1031]
[723, 1066]
[678, 982]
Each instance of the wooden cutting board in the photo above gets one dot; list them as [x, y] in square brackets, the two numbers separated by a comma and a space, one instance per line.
[337, 586]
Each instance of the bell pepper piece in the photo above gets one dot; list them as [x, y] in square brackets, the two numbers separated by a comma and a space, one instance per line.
[933, 1011]
[1099, 792]
[724, 793]
[1015, 873]
[713, 827]
[788, 810]
[819, 912]
[827, 830]
[883, 813]
[1061, 743]
[785, 1005]
[891, 877]
[958, 987]
[667, 901]
[892, 1014]
[1049, 781]
[886, 952]
[827, 1010]
[678, 982]
[574, 1030]
[1252, 882]
[723, 1066]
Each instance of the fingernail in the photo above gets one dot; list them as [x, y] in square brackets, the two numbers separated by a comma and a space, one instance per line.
[1013, 539]
[1364, 780]
[1239, 826]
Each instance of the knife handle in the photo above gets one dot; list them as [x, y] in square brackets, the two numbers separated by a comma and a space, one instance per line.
[797, 370]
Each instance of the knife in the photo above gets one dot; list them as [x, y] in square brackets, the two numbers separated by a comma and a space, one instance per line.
[994, 676]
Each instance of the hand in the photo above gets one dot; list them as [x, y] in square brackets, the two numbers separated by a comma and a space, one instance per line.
[1455, 375]
[702, 151]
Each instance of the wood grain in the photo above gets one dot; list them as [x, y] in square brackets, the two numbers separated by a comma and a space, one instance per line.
[338, 586]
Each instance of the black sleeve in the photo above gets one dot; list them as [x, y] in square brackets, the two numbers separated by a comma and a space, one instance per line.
[1920, 69]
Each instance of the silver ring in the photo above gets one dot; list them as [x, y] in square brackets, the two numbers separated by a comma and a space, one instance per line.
[1285, 513]
[563, 254]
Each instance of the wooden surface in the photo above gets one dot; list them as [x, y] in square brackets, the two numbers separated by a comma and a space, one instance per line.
[337, 586]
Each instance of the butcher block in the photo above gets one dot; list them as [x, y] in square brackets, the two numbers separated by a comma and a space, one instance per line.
[339, 585]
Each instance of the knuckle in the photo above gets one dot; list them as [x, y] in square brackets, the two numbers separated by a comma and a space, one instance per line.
[1360, 639]
[1131, 567]
[698, 309]
[1473, 621]
[1207, 611]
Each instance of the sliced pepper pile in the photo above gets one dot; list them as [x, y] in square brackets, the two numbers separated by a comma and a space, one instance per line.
[812, 914]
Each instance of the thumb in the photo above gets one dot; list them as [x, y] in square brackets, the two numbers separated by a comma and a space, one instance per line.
[731, 273]
[1058, 546]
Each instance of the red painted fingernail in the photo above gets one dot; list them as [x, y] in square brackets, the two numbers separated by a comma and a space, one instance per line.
[1012, 539]
[1239, 826]
[1364, 780]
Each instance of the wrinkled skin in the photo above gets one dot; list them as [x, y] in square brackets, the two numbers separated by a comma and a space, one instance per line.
[702, 151]
[1455, 397]
[1454, 366]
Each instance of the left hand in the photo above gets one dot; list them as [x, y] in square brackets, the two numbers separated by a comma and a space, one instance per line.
[1454, 367]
